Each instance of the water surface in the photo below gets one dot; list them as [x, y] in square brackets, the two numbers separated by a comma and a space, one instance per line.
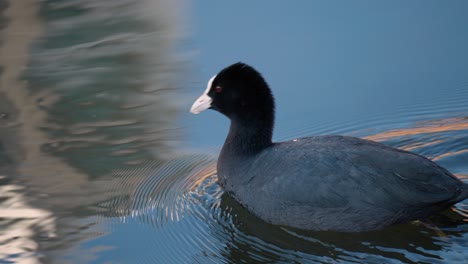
[100, 161]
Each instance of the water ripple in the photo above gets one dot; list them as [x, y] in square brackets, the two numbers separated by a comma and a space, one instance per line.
[193, 221]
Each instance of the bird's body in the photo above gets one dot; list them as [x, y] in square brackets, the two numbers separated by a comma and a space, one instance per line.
[317, 183]
[331, 183]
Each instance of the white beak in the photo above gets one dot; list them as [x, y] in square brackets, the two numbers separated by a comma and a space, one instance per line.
[204, 101]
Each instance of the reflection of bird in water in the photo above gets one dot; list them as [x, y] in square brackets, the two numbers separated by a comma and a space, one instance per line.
[275, 242]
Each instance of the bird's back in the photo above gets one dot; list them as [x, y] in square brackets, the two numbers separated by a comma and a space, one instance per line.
[339, 183]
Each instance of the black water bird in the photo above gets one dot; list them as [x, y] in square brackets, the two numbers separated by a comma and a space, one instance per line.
[335, 183]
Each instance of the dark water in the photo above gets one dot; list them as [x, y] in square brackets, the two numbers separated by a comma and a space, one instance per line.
[100, 161]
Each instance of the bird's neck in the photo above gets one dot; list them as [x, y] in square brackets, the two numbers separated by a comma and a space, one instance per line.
[248, 136]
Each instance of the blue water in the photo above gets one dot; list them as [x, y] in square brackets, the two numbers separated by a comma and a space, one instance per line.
[101, 162]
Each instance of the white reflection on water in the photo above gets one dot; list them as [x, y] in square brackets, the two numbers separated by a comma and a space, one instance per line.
[87, 60]
[20, 223]
[20, 220]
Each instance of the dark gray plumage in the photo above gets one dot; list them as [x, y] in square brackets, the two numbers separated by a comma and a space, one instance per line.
[322, 182]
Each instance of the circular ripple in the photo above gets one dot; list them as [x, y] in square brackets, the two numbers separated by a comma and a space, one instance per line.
[167, 192]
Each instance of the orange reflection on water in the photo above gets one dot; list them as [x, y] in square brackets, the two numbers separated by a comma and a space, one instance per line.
[434, 126]
[452, 153]
[419, 145]
[203, 174]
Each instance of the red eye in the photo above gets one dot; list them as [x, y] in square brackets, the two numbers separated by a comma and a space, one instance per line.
[218, 89]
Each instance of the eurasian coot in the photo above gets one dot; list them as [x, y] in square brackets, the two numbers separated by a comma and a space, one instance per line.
[322, 182]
